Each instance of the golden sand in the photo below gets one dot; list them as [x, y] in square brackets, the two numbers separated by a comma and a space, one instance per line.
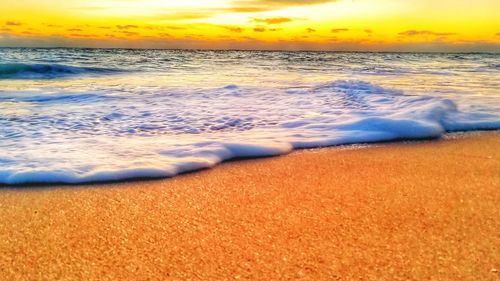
[407, 211]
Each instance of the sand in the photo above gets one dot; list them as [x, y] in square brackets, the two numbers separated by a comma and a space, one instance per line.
[405, 211]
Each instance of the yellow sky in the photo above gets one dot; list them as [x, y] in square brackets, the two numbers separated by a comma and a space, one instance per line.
[375, 25]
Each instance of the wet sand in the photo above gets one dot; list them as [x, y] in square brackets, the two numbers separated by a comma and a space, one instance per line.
[400, 211]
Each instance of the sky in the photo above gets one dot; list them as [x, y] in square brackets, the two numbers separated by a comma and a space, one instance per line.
[339, 25]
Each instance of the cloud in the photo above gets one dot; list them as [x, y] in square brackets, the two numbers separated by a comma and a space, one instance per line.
[84, 35]
[277, 20]
[13, 23]
[252, 6]
[259, 29]
[176, 27]
[424, 33]
[236, 29]
[128, 26]
[279, 2]
[51, 25]
[287, 2]
[187, 15]
[310, 30]
[129, 33]
[74, 29]
[369, 31]
[338, 30]
[252, 9]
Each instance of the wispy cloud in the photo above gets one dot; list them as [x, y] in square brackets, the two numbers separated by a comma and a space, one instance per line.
[310, 30]
[128, 33]
[173, 27]
[424, 33]
[128, 26]
[187, 15]
[83, 35]
[277, 20]
[250, 6]
[338, 30]
[236, 29]
[13, 23]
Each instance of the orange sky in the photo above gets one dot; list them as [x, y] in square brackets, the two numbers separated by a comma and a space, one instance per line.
[365, 25]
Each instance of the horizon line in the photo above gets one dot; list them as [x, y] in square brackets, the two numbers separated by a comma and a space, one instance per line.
[254, 50]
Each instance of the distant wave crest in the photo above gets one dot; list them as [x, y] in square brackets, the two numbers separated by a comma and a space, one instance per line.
[47, 71]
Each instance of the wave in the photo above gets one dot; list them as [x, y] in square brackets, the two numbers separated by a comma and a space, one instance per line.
[47, 71]
[67, 98]
[84, 146]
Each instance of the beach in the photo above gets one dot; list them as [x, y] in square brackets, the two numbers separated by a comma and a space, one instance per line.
[425, 210]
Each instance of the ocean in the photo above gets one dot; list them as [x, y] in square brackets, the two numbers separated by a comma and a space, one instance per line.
[91, 115]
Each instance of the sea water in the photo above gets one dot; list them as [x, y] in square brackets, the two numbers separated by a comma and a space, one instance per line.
[86, 115]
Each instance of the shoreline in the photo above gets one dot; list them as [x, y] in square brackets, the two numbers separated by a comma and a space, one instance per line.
[362, 145]
[404, 210]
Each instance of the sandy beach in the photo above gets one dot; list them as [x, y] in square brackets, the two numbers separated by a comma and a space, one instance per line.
[400, 211]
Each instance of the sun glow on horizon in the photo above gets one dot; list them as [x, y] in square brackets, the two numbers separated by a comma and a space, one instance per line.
[375, 25]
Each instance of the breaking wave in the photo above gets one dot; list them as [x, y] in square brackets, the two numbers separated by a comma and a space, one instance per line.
[47, 71]
[82, 139]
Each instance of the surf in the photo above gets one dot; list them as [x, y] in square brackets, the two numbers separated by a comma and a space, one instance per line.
[170, 112]
[47, 71]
